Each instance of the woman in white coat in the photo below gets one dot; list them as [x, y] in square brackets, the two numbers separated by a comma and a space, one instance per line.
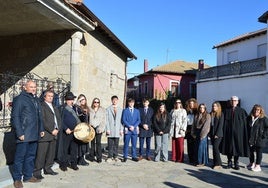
[177, 131]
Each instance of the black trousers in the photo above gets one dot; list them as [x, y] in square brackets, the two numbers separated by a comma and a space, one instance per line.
[45, 156]
[191, 149]
[258, 150]
[229, 157]
[113, 147]
[70, 148]
[216, 152]
[96, 149]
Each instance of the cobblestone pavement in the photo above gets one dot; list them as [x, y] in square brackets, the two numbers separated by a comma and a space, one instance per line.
[147, 174]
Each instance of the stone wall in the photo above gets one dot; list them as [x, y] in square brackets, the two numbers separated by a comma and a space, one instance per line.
[101, 67]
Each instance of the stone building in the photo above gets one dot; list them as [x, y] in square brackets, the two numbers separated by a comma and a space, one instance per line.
[59, 40]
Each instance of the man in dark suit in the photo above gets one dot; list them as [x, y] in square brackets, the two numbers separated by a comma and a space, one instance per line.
[47, 145]
[131, 121]
[145, 128]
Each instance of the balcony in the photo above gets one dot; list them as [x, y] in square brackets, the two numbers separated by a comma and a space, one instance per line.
[233, 69]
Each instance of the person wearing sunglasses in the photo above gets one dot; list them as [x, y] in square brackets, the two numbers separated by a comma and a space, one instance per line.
[97, 119]
[177, 131]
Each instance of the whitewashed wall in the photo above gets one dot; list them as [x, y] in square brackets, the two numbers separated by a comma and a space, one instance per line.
[251, 90]
[247, 49]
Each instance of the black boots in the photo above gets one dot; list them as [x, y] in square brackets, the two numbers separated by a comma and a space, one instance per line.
[229, 164]
[82, 162]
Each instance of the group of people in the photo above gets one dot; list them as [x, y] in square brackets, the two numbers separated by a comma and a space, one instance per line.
[45, 132]
[233, 133]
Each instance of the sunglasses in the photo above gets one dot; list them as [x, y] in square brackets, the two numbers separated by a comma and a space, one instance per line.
[96, 101]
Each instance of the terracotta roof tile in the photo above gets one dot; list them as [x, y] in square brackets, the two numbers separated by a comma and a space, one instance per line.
[177, 67]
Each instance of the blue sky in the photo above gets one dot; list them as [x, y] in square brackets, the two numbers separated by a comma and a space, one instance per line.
[163, 31]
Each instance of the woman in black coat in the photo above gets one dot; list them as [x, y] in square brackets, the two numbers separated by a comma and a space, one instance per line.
[216, 133]
[258, 134]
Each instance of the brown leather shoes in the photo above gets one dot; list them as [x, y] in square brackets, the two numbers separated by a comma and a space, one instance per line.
[149, 158]
[18, 184]
[140, 158]
[32, 180]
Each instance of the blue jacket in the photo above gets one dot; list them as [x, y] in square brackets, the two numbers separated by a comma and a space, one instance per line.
[26, 117]
[129, 119]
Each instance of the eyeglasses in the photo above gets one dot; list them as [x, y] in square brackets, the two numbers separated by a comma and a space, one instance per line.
[96, 101]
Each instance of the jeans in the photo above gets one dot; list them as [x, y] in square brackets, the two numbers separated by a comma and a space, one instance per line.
[148, 146]
[24, 160]
[161, 147]
[202, 150]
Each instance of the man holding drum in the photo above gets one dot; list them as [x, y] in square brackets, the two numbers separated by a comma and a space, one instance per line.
[68, 144]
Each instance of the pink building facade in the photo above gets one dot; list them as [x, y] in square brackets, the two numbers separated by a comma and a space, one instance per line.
[176, 79]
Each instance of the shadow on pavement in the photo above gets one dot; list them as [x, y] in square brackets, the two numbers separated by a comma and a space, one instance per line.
[224, 180]
[174, 185]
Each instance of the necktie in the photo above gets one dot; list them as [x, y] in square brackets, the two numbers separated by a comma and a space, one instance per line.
[145, 111]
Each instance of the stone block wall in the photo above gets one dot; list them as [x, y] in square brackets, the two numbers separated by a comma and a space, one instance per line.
[101, 66]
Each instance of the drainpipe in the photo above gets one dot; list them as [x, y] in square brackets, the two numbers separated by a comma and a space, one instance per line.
[75, 60]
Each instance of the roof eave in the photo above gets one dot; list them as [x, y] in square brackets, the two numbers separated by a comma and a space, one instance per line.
[101, 26]
[241, 38]
[263, 18]
[60, 8]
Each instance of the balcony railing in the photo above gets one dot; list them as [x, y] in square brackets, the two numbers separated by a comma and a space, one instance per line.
[234, 69]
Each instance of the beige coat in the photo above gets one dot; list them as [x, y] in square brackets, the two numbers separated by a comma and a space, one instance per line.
[98, 119]
[178, 123]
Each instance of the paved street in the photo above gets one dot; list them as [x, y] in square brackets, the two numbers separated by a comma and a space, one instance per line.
[147, 174]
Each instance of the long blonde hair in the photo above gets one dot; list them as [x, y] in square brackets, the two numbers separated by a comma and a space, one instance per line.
[217, 113]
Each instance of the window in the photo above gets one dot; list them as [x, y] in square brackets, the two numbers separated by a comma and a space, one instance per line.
[232, 57]
[145, 88]
[261, 50]
[192, 89]
[140, 88]
[175, 88]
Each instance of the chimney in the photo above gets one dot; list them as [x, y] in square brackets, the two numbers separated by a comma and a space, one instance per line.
[200, 64]
[145, 65]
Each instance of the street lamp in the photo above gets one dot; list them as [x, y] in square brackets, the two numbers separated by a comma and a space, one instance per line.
[136, 82]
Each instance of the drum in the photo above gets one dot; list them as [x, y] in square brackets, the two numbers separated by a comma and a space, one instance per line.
[84, 132]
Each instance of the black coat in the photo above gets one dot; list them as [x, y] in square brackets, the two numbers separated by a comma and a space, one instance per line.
[146, 119]
[235, 134]
[258, 133]
[161, 125]
[217, 128]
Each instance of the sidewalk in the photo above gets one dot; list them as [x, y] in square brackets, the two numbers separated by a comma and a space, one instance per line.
[147, 174]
